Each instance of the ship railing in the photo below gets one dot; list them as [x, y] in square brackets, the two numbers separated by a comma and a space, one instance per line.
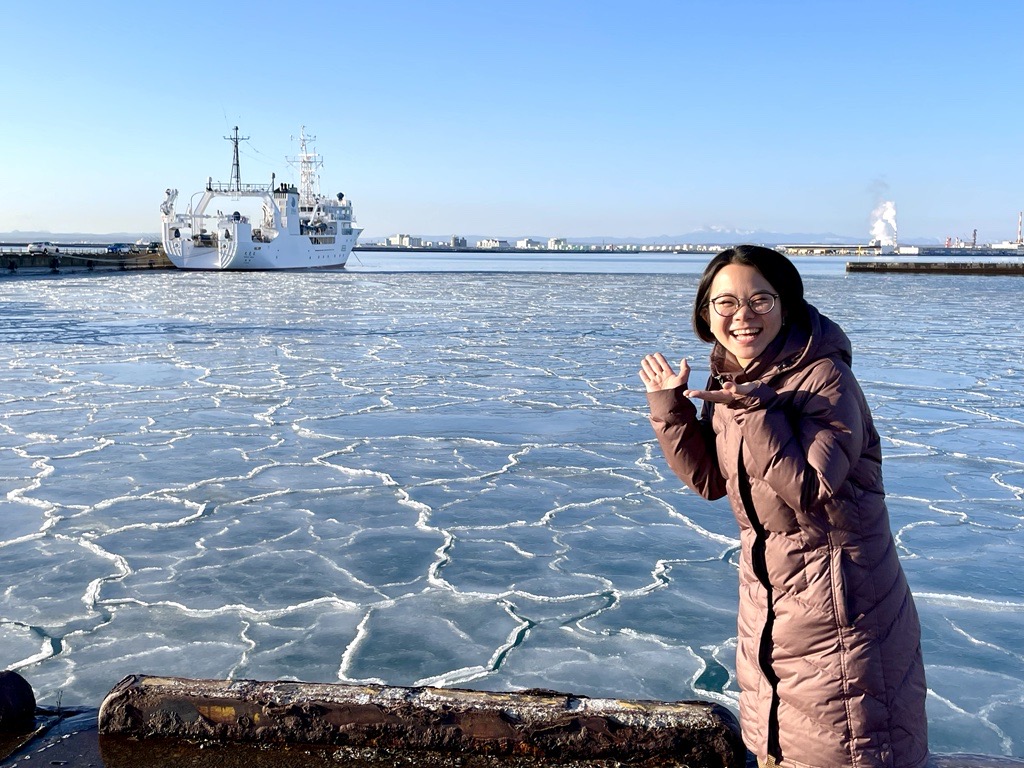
[237, 188]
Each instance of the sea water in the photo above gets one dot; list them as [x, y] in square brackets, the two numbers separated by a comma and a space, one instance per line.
[438, 470]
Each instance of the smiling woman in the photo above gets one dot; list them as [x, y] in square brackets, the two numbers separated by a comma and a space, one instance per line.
[828, 654]
[745, 327]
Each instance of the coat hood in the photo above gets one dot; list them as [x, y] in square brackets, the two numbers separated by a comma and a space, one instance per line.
[796, 346]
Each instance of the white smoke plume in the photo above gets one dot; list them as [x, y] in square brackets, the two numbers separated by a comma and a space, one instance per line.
[883, 230]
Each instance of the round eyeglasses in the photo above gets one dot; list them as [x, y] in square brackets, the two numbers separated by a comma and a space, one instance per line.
[728, 305]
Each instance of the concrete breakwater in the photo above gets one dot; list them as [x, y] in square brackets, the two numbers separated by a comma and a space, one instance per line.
[15, 262]
[939, 267]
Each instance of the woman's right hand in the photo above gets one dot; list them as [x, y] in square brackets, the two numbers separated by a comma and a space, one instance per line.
[656, 373]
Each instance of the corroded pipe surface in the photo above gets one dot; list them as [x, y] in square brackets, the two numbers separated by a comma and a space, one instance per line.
[17, 704]
[528, 726]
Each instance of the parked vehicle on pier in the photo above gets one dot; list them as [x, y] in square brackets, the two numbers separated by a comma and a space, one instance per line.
[121, 248]
[42, 248]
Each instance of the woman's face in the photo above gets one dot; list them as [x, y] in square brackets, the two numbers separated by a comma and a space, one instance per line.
[746, 334]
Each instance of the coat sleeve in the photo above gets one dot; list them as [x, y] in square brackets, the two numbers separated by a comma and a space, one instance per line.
[687, 442]
[807, 447]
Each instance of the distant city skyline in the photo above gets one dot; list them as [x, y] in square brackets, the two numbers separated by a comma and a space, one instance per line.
[702, 239]
[534, 118]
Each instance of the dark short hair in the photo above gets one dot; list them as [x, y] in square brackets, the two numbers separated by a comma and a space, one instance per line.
[773, 266]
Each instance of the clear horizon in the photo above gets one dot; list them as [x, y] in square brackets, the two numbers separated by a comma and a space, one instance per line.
[559, 117]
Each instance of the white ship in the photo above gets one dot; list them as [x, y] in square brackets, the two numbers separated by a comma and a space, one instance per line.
[298, 228]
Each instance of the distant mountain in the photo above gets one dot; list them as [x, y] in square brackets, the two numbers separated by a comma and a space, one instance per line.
[719, 236]
[706, 236]
[29, 236]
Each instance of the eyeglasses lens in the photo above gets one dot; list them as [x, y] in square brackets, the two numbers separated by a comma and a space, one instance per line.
[759, 303]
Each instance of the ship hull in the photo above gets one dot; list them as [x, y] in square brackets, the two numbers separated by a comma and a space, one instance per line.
[240, 255]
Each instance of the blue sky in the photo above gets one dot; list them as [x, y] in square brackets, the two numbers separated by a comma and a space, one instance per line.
[554, 118]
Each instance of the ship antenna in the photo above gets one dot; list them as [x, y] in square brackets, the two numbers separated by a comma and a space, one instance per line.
[309, 181]
[236, 174]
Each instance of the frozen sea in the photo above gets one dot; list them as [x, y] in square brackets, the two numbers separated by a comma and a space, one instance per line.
[437, 469]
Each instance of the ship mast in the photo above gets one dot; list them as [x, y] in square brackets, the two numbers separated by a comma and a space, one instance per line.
[309, 162]
[236, 174]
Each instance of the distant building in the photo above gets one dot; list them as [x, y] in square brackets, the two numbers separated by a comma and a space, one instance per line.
[492, 244]
[1007, 245]
[405, 241]
[458, 242]
[526, 244]
[831, 249]
[557, 244]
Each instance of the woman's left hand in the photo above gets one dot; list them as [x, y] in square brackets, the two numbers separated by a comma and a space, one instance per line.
[729, 393]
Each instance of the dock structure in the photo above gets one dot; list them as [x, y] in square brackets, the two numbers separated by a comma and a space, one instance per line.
[426, 725]
[80, 261]
[939, 267]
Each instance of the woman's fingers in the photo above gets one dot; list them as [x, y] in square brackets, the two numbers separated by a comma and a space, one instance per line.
[659, 364]
[727, 394]
[656, 366]
[711, 396]
[656, 372]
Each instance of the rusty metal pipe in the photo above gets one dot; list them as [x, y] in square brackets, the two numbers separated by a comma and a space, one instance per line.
[546, 725]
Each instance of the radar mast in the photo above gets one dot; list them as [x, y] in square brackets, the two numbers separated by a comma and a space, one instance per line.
[236, 174]
[309, 163]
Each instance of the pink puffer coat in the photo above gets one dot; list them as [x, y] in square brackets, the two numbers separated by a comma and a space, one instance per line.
[828, 657]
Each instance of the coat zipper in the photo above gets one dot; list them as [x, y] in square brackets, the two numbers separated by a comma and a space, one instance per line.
[760, 567]
[839, 596]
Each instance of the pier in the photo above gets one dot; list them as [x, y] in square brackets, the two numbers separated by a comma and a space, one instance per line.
[80, 260]
[939, 267]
